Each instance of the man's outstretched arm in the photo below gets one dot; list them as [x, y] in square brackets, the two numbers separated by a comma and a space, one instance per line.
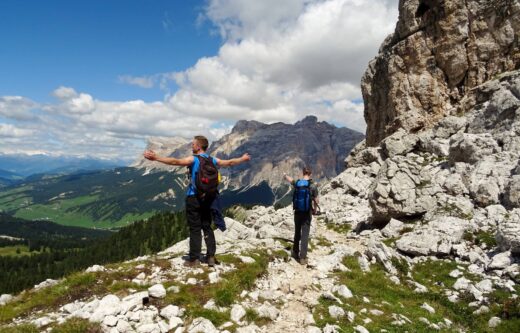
[233, 161]
[186, 161]
[288, 178]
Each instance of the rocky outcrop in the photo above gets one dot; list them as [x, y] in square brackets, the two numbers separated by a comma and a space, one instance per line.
[163, 146]
[467, 160]
[439, 52]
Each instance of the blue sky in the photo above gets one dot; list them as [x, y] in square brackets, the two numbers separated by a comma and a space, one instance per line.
[99, 78]
[89, 44]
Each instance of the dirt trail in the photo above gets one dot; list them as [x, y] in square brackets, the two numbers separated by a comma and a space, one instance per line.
[303, 284]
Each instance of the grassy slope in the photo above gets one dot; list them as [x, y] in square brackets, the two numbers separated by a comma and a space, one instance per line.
[390, 298]
[191, 297]
[101, 199]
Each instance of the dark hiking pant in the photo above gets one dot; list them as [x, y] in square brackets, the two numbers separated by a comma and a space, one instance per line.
[302, 227]
[198, 215]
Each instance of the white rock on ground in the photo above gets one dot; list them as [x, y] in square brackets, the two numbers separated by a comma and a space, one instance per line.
[428, 308]
[202, 325]
[494, 322]
[237, 312]
[336, 312]
[342, 291]
[95, 269]
[157, 291]
[5, 298]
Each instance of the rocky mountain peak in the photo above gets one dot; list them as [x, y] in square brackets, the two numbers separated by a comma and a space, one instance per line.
[285, 148]
[308, 120]
[244, 126]
[276, 149]
[440, 50]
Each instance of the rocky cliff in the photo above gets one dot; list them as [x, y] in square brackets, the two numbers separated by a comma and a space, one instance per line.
[440, 51]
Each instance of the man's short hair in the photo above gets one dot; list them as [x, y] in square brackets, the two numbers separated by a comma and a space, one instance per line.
[307, 171]
[202, 141]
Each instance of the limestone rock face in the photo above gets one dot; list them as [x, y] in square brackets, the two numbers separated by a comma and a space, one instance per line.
[508, 235]
[440, 50]
[284, 148]
[463, 162]
[163, 146]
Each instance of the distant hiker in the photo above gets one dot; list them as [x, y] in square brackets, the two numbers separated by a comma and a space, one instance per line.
[305, 199]
[202, 190]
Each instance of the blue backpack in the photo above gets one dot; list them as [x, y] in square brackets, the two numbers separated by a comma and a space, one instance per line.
[302, 196]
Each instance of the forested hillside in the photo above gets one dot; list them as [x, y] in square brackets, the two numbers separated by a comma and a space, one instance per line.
[143, 237]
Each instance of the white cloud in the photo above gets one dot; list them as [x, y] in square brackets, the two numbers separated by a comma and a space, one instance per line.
[284, 60]
[17, 108]
[10, 131]
[280, 61]
[140, 81]
[237, 19]
[64, 93]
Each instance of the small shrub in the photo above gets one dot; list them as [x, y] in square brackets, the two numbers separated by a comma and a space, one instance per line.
[401, 265]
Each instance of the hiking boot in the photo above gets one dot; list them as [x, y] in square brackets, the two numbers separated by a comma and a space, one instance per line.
[191, 263]
[303, 261]
[211, 261]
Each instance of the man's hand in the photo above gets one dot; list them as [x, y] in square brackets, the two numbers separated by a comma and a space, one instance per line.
[246, 157]
[150, 155]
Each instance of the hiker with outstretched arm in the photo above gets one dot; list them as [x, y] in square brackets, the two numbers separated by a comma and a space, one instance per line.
[202, 191]
[305, 200]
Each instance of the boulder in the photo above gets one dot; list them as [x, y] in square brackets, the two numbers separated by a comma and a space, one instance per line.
[435, 238]
[471, 148]
[157, 291]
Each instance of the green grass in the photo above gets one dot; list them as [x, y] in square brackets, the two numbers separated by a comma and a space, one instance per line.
[15, 251]
[14, 199]
[252, 316]
[77, 325]
[450, 209]
[390, 241]
[481, 237]
[65, 212]
[401, 299]
[322, 241]
[225, 292]
[75, 286]
[25, 328]
[339, 228]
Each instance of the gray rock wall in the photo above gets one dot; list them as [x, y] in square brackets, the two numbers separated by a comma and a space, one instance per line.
[440, 50]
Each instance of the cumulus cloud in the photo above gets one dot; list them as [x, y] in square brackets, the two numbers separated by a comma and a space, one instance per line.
[284, 60]
[279, 61]
[17, 108]
[10, 131]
